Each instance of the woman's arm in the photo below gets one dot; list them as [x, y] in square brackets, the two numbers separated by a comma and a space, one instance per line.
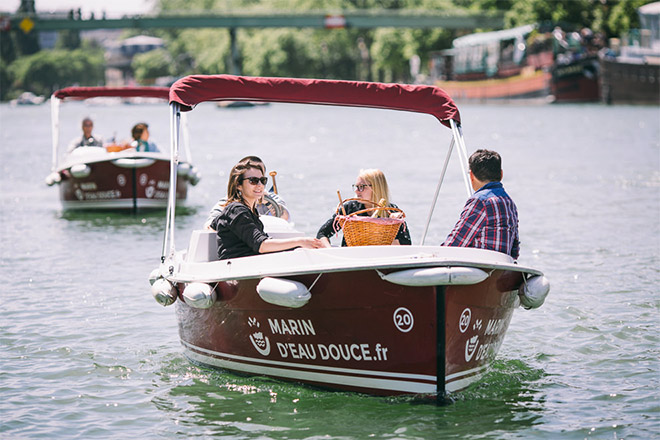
[328, 229]
[283, 244]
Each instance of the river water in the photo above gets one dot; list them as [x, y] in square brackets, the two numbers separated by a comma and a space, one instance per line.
[87, 353]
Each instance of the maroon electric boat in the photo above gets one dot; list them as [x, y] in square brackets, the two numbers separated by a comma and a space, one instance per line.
[114, 177]
[382, 320]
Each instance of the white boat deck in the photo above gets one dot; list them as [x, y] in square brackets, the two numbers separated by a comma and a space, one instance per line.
[89, 155]
[200, 264]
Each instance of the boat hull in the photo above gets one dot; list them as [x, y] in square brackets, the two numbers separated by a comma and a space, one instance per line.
[526, 85]
[358, 332]
[630, 83]
[126, 183]
[576, 81]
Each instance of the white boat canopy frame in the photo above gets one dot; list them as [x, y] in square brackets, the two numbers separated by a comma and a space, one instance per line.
[82, 93]
[189, 91]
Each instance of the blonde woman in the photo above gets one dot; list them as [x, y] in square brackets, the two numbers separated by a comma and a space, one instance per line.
[369, 185]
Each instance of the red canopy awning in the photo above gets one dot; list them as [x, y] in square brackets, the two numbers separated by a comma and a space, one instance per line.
[121, 92]
[193, 89]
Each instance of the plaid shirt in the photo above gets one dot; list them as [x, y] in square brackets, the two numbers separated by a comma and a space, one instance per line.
[489, 221]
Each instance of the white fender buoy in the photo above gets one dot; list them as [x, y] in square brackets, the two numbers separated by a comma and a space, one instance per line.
[137, 162]
[199, 295]
[53, 178]
[283, 292]
[533, 292]
[436, 276]
[154, 275]
[194, 176]
[163, 291]
[183, 169]
[80, 171]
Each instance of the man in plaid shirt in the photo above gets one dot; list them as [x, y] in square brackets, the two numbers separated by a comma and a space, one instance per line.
[489, 219]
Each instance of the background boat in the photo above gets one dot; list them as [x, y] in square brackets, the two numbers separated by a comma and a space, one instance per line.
[533, 61]
[631, 68]
[114, 176]
[27, 98]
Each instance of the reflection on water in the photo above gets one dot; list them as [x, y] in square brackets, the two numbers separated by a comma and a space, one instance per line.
[229, 404]
[123, 218]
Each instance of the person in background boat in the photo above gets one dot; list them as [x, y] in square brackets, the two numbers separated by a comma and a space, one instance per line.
[140, 133]
[240, 232]
[262, 206]
[87, 139]
[490, 218]
[370, 184]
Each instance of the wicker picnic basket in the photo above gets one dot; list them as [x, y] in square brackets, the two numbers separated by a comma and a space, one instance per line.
[360, 230]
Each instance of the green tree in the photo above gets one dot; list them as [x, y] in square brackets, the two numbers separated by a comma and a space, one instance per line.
[612, 17]
[390, 60]
[624, 17]
[5, 81]
[68, 40]
[382, 54]
[280, 52]
[150, 65]
[200, 51]
[46, 71]
[7, 48]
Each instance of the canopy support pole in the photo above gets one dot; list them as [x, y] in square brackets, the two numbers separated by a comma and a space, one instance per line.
[186, 137]
[437, 190]
[55, 129]
[175, 119]
[462, 154]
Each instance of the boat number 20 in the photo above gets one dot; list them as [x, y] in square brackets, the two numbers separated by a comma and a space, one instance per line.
[403, 319]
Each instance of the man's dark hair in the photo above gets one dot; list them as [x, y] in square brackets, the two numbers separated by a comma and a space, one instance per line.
[486, 165]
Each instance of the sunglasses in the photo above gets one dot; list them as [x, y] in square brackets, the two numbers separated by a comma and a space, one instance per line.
[256, 180]
[359, 188]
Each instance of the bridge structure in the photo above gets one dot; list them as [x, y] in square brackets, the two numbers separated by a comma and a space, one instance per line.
[320, 19]
[354, 19]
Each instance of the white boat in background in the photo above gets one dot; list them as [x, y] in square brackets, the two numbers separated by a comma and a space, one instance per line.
[114, 177]
[382, 320]
[28, 98]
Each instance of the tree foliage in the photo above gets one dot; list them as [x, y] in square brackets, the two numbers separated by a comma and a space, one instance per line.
[364, 54]
[382, 54]
[48, 70]
[337, 53]
[150, 65]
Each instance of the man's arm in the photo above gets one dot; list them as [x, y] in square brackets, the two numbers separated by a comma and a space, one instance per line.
[515, 248]
[468, 225]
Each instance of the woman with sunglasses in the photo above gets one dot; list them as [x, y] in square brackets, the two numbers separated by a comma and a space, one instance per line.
[264, 206]
[240, 232]
[369, 185]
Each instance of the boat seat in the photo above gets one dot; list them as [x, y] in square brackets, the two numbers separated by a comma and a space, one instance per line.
[203, 244]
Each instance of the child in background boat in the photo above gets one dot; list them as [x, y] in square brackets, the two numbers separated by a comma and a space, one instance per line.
[262, 207]
[371, 185]
[87, 139]
[240, 232]
[490, 218]
[140, 133]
